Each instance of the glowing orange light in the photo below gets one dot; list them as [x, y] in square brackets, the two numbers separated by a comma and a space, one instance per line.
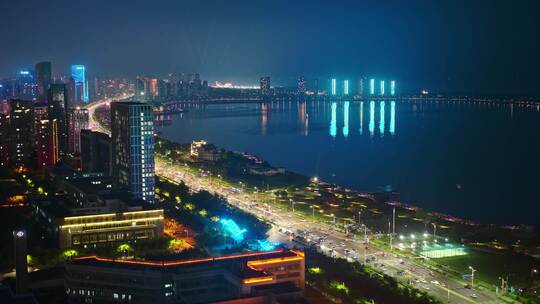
[258, 280]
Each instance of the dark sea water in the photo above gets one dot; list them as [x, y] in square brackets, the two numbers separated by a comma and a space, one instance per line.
[476, 161]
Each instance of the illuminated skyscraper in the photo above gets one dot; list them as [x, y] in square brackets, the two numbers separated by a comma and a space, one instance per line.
[382, 87]
[393, 87]
[80, 83]
[77, 120]
[21, 140]
[372, 86]
[265, 85]
[302, 84]
[47, 143]
[4, 144]
[346, 87]
[132, 126]
[334, 86]
[25, 87]
[57, 111]
[361, 86]
[43, 80]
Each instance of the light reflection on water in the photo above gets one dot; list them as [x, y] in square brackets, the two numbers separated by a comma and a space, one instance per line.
[422, 149]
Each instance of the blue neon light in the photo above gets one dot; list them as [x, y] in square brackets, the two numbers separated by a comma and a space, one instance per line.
[346, 87]
[78, 73]
[382, 87]
[233, 230]
[381, 119]
[371, 117]
[393, 87]
[265, 245]
[372, 86]
[346, 119]
[333, 86]
[392, 117]
[24, 72]
[333, 124]
[361, 117]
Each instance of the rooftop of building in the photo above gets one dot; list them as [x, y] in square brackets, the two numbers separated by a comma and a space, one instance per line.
[245, 263]
[60, 208]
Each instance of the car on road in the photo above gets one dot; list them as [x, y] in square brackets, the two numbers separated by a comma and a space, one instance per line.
[474, 296]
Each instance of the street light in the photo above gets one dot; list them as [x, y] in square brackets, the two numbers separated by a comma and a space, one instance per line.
[472, 275]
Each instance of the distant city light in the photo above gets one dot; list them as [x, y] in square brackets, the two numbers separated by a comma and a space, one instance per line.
[333, 86]
[393, 87]
[372, 86]
[24, 72]
[346, 87]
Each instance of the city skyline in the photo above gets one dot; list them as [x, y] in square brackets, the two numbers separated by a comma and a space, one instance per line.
[443, 46]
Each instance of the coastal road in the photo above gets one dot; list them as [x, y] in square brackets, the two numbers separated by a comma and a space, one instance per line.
[336, 243]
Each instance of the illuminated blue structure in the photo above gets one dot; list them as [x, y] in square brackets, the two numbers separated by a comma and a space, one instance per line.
[393, 87]
[346, 119]
[371, 117]
[346, 87]
[381, 121]
[233, 230]
[333, 86]
[372, 86]
[382, 87]
[265, 245]
[392, 117]
[333, 123]
[80, 84]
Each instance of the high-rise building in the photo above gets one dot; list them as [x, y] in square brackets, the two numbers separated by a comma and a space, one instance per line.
[302, 85]
[78, 120]
[4, 143]
[153, 86]
[333, 86]
[265, 85]
[21, 139]
[43, 80]
[80, 83]
[132, 128]
[382, 88]
[345, 87]
[393, 87]
[96, 152]
[25, 86]
[361, 87]
[372, 86]
[21, 263]
[47, 143]
[57, 111]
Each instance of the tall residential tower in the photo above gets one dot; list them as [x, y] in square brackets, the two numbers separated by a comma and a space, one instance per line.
[132, 128]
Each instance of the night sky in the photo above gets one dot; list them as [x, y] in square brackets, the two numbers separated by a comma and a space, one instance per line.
[448, 46]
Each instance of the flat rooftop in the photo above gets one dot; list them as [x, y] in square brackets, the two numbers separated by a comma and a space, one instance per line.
[243, 259]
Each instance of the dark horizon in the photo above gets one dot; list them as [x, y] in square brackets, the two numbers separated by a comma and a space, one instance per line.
[484, 47]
